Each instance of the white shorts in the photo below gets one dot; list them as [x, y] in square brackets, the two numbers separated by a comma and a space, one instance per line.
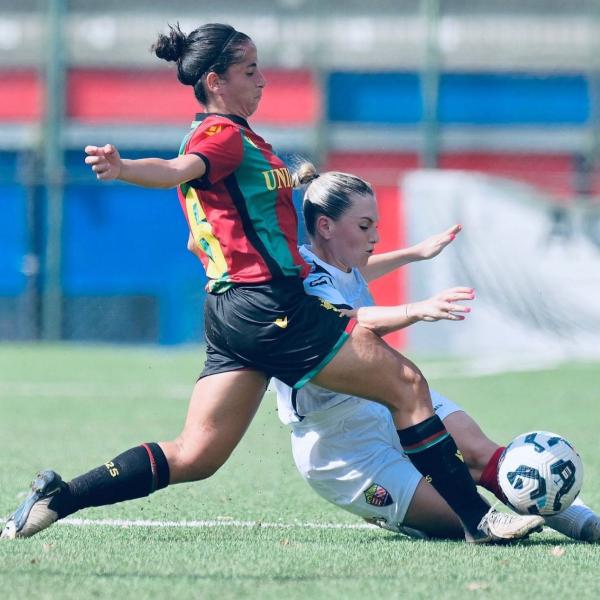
[351, 456]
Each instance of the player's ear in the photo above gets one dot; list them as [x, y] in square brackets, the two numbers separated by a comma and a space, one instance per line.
[213, 82]
[324, 227]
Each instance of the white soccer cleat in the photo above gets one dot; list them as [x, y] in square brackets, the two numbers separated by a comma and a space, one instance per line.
[500, 527]
[34, 514]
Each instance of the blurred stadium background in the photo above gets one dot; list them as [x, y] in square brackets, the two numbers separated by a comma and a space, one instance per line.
[505, 88]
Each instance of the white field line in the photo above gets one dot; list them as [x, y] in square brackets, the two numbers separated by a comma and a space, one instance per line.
[128, 523]
[142, 523]
[212, 523]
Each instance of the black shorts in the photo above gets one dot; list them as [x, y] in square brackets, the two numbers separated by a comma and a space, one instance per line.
[272, 327]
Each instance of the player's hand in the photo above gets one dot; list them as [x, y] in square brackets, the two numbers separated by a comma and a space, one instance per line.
[444, 305]
[432, 246]
[104, 160]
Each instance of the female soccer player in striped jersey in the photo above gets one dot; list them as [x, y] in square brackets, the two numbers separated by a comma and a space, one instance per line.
[346, 448]
[236, 195]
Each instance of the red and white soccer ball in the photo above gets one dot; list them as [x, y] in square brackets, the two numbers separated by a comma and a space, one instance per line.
[540, 473]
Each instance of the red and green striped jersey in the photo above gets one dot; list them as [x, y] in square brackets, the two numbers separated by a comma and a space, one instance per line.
[240, 212]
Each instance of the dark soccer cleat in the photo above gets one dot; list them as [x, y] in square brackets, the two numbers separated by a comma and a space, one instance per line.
[500, 527]
[34, 513]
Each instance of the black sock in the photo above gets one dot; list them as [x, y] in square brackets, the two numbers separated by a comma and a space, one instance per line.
[432, 450]
[134, 474]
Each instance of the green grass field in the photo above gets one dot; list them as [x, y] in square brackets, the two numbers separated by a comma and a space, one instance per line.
[267, 535]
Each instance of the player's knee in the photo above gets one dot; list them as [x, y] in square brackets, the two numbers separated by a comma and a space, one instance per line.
[417, 381]
[195, 461]
[203, 471]
[412, 390]
[197, 468]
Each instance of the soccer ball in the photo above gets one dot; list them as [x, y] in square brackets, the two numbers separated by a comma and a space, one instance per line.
[540, 473]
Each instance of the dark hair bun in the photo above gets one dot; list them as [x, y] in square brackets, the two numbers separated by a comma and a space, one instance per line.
[170, 47]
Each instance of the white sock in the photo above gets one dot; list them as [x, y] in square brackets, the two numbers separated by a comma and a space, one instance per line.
[571, 520]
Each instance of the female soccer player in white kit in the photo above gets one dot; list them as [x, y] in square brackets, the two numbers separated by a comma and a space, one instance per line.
[347, 448]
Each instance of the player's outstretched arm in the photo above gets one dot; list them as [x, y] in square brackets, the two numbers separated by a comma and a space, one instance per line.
[384, 263]
[107, 164]
[444, 305]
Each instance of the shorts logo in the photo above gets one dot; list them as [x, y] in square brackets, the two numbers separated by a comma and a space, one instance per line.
[281, 322]
[459, 455]
[377, 495]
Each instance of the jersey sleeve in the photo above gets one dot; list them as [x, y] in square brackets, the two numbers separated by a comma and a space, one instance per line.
[221, 148]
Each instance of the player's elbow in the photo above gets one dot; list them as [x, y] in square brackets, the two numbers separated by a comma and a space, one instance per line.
[185, 168]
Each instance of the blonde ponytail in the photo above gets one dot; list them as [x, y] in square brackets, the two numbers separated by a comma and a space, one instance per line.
[304, 174]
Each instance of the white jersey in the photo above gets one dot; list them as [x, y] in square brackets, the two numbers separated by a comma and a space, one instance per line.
[342, 289]
[345, 447]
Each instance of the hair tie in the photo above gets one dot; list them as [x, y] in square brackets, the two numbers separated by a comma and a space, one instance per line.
[227, 42]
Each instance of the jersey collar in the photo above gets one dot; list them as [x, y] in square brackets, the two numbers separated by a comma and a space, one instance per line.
[239, 120]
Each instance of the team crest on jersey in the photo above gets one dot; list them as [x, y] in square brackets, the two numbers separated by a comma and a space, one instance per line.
[213, 130]
[377, 495]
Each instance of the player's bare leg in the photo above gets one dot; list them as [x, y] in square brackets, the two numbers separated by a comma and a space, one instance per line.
[429, 513]
[365, 366]
[221, 408]
[475, 446]
[220, 411]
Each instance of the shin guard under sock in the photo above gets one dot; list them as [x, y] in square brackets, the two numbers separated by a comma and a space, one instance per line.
[433, 452]
[135, 473]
